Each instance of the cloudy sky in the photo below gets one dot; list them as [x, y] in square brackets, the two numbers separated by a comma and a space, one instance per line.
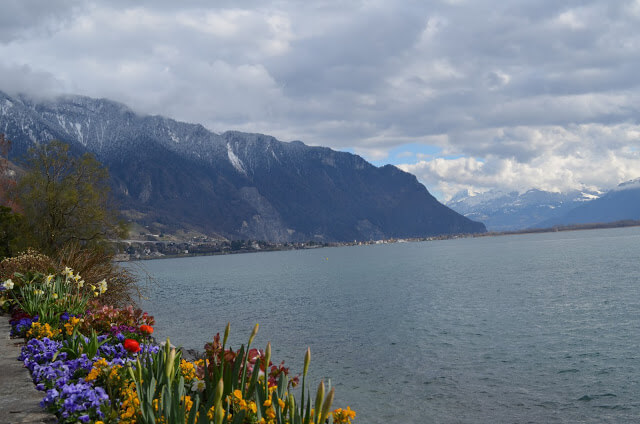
[475, 94]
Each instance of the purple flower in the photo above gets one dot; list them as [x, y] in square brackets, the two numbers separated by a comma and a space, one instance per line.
[50, 398]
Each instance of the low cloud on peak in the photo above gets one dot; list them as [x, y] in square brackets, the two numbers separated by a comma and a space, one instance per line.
[477, 95]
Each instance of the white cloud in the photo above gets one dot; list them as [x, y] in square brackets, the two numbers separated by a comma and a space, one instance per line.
[578, 157]
[509, 94]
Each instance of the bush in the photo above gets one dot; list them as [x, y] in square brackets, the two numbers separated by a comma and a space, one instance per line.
[27, 262]
[94, 266]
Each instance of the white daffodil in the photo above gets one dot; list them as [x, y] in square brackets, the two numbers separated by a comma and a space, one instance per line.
[49, 279]
[8, 284]
[198, 386]
[102, 286]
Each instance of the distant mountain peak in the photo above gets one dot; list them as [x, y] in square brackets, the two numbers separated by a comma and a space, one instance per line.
[631, 184]
[506, 211]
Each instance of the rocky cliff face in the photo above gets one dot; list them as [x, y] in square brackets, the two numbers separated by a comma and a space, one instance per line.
[241, 186]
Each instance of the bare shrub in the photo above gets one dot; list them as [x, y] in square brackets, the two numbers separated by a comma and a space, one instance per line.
[25, 262]
[94, 266]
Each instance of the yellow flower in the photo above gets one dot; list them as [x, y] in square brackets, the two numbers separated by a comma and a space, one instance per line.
[188, 370]
[271, 414]
[129, 409]
[343, 416]
[187, 402]
[114, 377]
[49, 279]
[71, 324]
[252, 407]
[40, 331]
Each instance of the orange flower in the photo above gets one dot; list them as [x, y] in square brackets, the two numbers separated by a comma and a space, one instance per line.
[146, 329]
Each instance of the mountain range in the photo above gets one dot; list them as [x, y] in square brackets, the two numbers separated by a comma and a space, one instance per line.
[173, 176]
[509, 211]
[512, 211]
[619, 204]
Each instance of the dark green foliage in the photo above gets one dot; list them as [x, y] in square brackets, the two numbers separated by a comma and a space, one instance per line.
[9, 223]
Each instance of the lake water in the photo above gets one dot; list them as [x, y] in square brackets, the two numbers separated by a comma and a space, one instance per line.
[541, 328]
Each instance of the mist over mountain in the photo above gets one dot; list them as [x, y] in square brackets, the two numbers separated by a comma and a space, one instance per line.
[174, 175]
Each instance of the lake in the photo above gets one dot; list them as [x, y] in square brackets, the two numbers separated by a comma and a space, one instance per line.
[538, 328]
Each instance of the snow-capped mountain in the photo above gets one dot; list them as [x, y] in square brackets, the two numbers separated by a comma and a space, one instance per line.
[618, 204]
[507, 211]
[242, 186]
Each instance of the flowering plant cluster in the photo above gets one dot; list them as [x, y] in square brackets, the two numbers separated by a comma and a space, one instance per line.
[52, 295]
[99, 364]
[106, 318]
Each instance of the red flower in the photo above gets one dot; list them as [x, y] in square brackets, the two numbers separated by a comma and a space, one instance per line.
[146, 329]
[131, 345]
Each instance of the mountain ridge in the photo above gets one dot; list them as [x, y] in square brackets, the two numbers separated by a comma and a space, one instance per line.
[509, 211]
[172, 174]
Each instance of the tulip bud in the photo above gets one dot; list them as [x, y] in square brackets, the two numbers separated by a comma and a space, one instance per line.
[253, 335]
[327, 405]
[318, 404]
[267, 357]
[307, 359]
[217, 397]
[218, 413]
[292, 404]
[226, 334]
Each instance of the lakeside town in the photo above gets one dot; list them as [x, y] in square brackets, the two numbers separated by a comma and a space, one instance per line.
[155, 246]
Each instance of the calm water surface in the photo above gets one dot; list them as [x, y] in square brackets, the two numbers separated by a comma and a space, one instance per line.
[540, 328]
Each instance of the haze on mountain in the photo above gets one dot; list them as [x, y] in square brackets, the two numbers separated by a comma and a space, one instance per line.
[177, 176]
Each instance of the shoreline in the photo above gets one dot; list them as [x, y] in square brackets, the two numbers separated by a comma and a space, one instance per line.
[278, 247]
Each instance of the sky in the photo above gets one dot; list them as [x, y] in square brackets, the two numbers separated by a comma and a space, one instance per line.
[465, 94]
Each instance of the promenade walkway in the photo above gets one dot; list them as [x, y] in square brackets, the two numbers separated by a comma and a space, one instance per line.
[19, 399]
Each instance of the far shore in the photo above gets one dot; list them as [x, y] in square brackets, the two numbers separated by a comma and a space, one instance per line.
[151, 249]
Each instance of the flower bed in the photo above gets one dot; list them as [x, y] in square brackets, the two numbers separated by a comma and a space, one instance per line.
[97, 363]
